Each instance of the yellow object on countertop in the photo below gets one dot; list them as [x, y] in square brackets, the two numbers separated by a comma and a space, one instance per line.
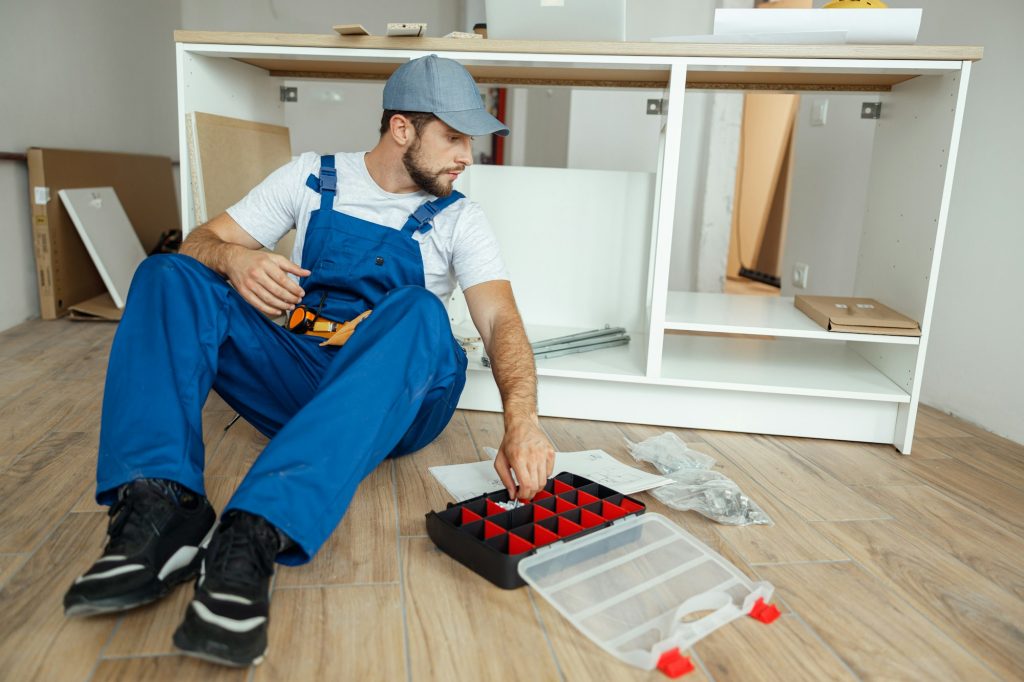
[855, 4]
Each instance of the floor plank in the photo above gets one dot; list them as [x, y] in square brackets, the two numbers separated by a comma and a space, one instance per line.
[338, 633]
[973, 488]
[230, 453]
[849, 463]
[801, 486]
[486, 428]
[986, 546]
[165, 669]
[41, 486]
[972, 610]
[36, 641]
[363, 548]
[932, 423]
[863, 623]
[1000, 461]
[473, 632]
[9, 563]
[418, 491]
[41, 409]
[790, 538]
[783, 651]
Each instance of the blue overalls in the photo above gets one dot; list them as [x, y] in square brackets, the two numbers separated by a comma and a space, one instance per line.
[332, 414]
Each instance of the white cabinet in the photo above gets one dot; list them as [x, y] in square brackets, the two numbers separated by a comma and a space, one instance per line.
[712, 361]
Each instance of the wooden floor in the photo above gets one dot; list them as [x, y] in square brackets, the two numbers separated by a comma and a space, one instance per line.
[886, 567]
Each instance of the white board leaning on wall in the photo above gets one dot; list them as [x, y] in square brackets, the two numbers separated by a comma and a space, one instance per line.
[108, 236]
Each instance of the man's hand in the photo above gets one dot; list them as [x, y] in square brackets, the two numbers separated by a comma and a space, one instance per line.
[259, 276]
[526, 451]
[262, 279]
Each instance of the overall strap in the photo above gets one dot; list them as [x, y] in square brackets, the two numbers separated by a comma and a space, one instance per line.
[327, 184]
[420, 219]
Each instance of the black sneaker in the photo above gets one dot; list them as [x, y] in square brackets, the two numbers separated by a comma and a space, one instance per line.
[227, 620]
[155, 531]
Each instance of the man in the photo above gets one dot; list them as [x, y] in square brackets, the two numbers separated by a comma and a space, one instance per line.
[381, 239]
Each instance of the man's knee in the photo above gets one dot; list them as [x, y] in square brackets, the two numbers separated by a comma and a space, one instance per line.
[171, 269]
[418, 299]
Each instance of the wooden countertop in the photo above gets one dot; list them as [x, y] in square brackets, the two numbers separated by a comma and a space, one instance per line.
[618, 49]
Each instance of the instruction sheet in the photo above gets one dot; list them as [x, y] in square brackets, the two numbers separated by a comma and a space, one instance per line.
[465, 481]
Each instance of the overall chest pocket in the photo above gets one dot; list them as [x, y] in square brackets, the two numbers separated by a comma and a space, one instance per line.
[374, 265]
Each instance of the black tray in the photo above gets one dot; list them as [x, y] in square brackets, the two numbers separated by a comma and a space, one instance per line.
[492, 541]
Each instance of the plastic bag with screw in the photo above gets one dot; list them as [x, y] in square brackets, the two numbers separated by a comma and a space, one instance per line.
[669, 454]
[695, 486]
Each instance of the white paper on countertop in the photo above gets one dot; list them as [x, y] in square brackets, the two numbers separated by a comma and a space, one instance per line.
[788, 38]
[465, 481]
[889, 26]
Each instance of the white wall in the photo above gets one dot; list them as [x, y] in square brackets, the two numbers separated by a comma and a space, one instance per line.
[611, 129]
[318, 16]
[330, 116]
[975, 368]
[829, 190]
[92, 74]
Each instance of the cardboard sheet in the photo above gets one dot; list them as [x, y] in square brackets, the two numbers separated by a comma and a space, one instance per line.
[65, 273]
[98, 309]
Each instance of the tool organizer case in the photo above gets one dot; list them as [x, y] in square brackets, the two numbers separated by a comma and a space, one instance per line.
[492, 541]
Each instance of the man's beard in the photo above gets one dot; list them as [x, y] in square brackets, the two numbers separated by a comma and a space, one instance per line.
[426, 180]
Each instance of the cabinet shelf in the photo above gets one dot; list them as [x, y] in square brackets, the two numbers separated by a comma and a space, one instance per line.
[788, 367]
[619, 363]
[755, 315]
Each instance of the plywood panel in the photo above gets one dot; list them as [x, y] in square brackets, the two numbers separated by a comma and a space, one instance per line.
[228, 157]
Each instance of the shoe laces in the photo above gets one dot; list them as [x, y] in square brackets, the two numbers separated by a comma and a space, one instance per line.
[135, 518]
[242, 551]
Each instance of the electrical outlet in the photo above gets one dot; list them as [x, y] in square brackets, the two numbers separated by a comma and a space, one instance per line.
[819, 111]
[800, 272]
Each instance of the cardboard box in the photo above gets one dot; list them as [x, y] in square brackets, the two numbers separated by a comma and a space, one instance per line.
[65, 273]
[856, 315]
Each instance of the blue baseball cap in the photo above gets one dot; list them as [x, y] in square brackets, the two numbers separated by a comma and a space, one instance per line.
[444, 88]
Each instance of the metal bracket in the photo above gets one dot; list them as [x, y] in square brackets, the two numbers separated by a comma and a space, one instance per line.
[656, 107]
[289, 93]
[871, 110]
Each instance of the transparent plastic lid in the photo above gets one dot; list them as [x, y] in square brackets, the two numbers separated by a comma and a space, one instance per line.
[642, 587]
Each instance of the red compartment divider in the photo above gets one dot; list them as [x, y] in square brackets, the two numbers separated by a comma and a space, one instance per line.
[567, 527]
[542, 536]
[612, 511]
[585, 498]
[541, 495]
[630, 506]
[540, 513]
[563, 506]
[469, 516]
[517, 545]
[492, 530]
[493, 508]
[561, 487]
[589, 519]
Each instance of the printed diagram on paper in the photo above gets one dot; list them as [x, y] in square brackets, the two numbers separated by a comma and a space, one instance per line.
[464, 481]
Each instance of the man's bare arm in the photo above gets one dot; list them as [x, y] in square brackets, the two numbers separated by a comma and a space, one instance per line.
[524, 449]
[260, 277]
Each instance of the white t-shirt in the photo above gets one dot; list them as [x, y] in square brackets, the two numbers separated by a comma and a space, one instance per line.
[460, 247]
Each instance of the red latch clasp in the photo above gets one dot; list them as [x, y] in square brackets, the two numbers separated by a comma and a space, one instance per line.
[674, 664]
[766, 613]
